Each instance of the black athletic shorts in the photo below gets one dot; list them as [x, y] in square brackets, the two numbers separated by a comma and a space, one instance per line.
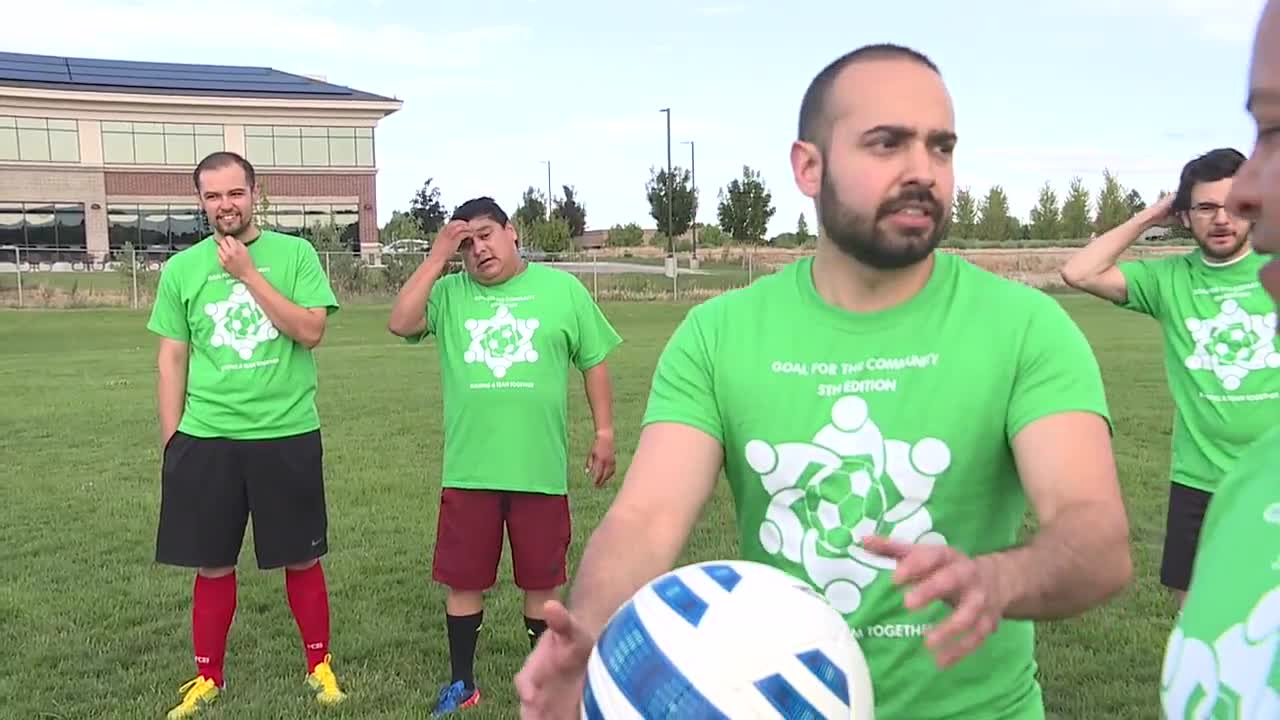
[211, 486]
[1187, 506]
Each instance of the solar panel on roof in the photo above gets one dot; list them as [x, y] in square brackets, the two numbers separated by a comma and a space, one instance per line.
[159, 76]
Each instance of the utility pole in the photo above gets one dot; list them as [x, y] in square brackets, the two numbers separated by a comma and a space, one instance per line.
[671, 241]
[548, 164]
[693, 174]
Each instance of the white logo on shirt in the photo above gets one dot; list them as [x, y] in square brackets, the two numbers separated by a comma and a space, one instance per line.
[501, 341]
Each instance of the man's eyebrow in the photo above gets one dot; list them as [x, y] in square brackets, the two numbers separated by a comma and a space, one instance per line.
[902, 132]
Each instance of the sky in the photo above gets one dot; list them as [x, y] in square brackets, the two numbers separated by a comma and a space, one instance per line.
[491, 90]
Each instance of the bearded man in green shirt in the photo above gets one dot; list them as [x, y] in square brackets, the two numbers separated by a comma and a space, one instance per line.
[1220, 357]
[883, 413]
[507, 332]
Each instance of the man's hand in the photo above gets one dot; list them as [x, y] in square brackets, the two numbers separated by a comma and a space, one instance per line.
[603, 460]
[449, 239]
[235, 257]
[1161, 213]
[551, 683]
[938, 572]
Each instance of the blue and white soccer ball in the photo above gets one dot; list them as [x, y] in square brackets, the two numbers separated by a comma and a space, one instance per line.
[727, 639]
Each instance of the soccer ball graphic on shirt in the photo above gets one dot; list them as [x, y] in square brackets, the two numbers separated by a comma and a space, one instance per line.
[239, 323]
[501, 341]
[1233, 344]
[727, 639]
[848, 482]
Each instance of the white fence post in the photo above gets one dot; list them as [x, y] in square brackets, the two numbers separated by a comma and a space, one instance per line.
[17, 262]
[595, 275]
[133, 274]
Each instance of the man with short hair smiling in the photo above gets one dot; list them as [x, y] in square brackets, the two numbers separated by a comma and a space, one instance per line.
[507, 332]
[238, 315]
[1220, 357]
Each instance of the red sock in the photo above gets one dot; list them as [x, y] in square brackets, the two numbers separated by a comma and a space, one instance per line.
[213, 605]
[309, 600]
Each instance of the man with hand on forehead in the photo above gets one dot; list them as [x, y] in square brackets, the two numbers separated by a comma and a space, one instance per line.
[239, 314]
[507, 333]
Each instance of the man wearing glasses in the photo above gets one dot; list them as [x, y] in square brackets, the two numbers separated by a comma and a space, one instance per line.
[1219, 333]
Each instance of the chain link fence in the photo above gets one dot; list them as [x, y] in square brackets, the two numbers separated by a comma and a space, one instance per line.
[127, 277]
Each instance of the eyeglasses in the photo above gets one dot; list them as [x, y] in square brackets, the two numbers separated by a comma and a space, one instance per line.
[1208, 209]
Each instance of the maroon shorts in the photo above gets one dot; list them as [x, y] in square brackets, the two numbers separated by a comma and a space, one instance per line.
[469, 537]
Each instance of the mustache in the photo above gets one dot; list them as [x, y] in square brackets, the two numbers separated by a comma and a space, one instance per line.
[911, 197]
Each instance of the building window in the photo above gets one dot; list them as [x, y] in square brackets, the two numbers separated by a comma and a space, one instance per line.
[281, 146]
[39, 139]
[155, 226]
[302, 220]
[153, 143]
[43, 225]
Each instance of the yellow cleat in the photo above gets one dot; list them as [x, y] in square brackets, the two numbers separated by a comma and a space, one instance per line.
[199, 694]
[325, 685]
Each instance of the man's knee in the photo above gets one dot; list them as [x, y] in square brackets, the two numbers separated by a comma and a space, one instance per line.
[216, 572]
[307, 565]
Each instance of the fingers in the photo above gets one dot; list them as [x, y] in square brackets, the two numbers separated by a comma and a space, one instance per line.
[940, 578]
[606, 473]
[886, 547]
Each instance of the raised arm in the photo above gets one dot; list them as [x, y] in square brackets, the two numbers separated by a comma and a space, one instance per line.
[409, 313]
[1094, 270]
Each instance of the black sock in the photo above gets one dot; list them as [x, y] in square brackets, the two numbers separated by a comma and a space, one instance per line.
[535, 628]
[464, 630]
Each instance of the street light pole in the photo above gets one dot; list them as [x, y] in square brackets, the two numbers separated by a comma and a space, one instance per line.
[693, 173]
[548, 164]
[671, 241]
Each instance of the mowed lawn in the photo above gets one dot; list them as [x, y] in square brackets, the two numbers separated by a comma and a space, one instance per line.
[90, 627]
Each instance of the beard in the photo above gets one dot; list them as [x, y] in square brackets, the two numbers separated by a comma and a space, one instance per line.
[1214, 253]
[233, 226]
[862, 238]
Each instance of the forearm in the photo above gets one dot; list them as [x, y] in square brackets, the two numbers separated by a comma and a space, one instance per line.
[626, 550]
[171, 397]
[1102, 254]
[296, 322]
[599, 391]
[408, 314]
[1071, 565]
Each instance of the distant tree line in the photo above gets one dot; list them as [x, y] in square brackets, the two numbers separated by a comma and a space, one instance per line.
[745, 208]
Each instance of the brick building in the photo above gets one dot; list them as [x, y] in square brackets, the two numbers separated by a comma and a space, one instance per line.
[95, 154]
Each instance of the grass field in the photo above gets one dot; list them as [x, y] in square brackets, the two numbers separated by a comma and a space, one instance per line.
[91, 628]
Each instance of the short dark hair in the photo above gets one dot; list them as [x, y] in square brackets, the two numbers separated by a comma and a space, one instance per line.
[221, 159]
[1215, 165]
[815, 121]
[480, 207]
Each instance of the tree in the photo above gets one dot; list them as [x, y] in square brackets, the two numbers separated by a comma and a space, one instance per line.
[1045, 219]
[802, 231]
[629, 235]
[1135, 202]
[532, 209]
[1113, 207]
[427, 208]
[1075, 211]
[993, 218]
[964, 215]
[685, 199]
[571, 211]
[549, 235]
[746, 206]
[401, 225]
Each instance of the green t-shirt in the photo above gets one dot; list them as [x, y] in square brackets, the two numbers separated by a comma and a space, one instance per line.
[836, 425]
[1223, 657]
[245, 379]
[505, 352]
[1220, 356]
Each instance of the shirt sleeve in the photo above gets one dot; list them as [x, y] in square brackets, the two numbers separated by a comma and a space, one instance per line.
[596, 337]
[311, 287]
[437, 302]
[1057, 371]
[168, 312]
[1142, 286]
[683, 388]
